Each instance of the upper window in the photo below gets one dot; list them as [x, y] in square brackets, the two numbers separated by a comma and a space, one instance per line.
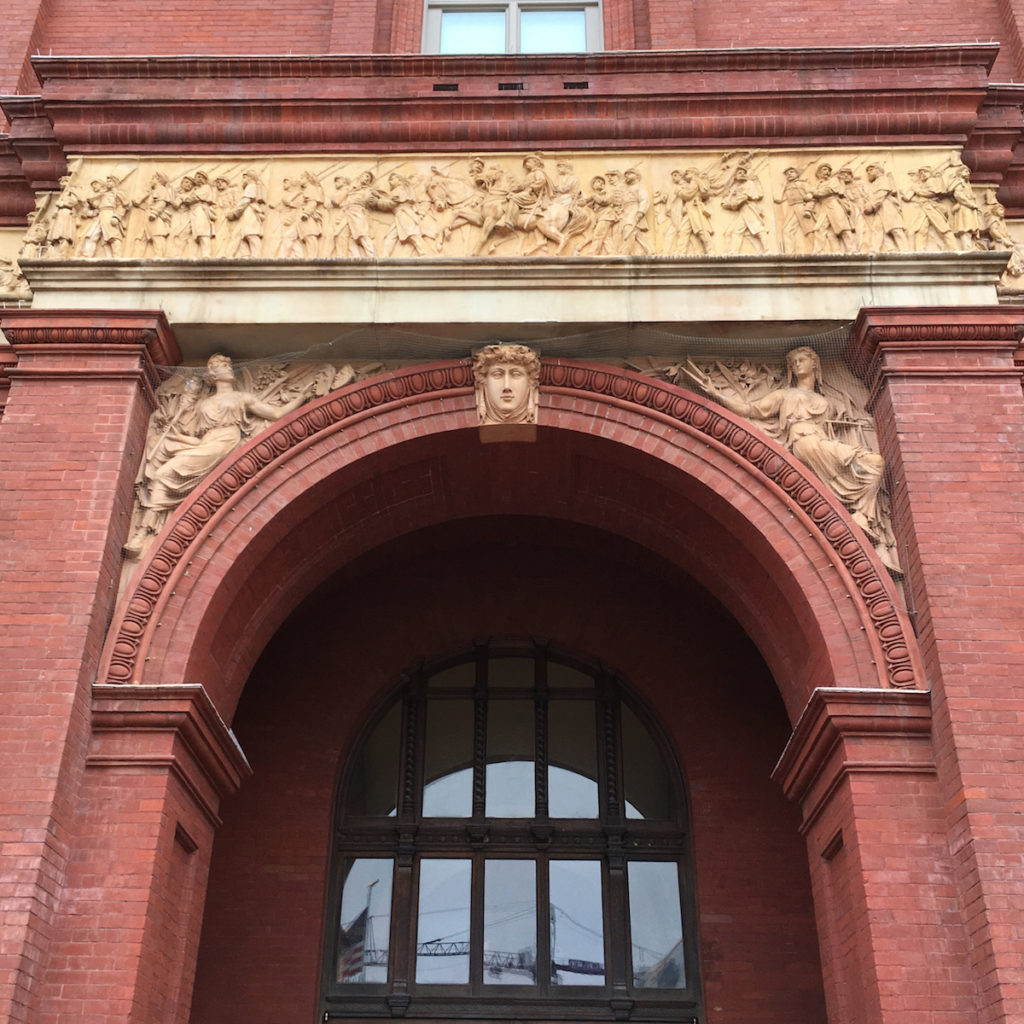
[514, 26]
[511, 842]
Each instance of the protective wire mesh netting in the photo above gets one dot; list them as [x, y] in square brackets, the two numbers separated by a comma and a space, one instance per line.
[795, 388]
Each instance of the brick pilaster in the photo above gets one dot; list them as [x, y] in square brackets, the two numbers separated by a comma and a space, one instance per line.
[860, 766]
[160, 760]
[950, 410]
[70, 439]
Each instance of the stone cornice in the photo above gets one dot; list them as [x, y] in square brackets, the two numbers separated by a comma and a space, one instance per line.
[828, 58]
[846, 731]
[654, 98]
[176, 728]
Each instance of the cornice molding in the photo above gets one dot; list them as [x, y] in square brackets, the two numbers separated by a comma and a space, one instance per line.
[848, 731]
[831, 58]
[935, 341]
[172, 727]
[36, 329]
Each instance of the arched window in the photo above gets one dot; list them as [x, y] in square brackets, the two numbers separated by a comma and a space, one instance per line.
[511, 842]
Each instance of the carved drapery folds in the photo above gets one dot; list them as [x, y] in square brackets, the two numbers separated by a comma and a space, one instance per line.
[201, 417]
[823, 424]
[680, 204]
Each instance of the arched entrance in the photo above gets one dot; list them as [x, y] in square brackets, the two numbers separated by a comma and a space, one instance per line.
[339, 659]
[627, 480]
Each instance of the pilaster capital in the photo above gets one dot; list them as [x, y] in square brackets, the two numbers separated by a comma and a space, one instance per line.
[77, 328]
[854, 731]
[82, 344]
[174, 728]
[935, 341]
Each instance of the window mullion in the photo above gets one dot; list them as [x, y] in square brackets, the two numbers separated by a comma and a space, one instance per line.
[480, 735]
[544, 968]
[512, 27]
[540, 745]
[476, 926]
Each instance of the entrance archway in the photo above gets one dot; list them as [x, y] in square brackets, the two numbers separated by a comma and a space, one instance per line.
[615, 450]
[340, 659]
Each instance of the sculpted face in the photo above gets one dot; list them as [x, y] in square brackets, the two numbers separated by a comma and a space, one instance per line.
[507, 391]
[802, 362]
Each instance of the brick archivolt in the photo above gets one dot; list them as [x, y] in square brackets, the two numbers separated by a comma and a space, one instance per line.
[164, 577]
[675, 203]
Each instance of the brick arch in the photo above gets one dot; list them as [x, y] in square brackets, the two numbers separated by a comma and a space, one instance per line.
[615, 450]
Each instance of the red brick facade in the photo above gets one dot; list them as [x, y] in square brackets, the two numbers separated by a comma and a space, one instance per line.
[170, 755]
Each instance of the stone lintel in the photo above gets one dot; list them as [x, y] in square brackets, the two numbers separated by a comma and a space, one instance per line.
[174, 728]
[257, 297]
[847, 731]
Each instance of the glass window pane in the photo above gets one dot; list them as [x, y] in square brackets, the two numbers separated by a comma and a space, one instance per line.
[577, 923]
[472, 32]
[510, 779]
[645, 777]
[572, 748]
[448, 760]
[506, 672]
[373, 785]
[510, 922]
[461, 677]
[564, 676]
[552, 31]
[442, 936]
[656, 926]
[365, 921]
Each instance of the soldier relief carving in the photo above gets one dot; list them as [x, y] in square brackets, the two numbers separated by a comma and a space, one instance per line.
[516, 205]
[202, 417]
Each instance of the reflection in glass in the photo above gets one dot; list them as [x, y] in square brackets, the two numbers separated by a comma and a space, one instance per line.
[577, 923]
[373, 785]
[472, 32]
[552, 32]
[448, 759]
[442, 937]
[510, 772]
[645, 778]
[365, 921]
[572, 772]
[656, 925]
[510, 922]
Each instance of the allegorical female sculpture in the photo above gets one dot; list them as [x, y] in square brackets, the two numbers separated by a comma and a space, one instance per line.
[802, 418]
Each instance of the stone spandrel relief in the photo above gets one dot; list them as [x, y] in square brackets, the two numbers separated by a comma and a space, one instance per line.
[612, 204]
[825, 426]
[202, 417]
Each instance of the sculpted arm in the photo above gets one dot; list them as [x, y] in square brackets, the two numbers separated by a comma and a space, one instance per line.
[272, 412]
[763, 408]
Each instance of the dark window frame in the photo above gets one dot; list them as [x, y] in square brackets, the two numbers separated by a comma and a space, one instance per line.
[407, 838]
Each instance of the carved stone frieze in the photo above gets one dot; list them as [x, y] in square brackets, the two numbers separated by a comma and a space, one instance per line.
[201, 417]
[825, 426]
[636, 203]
